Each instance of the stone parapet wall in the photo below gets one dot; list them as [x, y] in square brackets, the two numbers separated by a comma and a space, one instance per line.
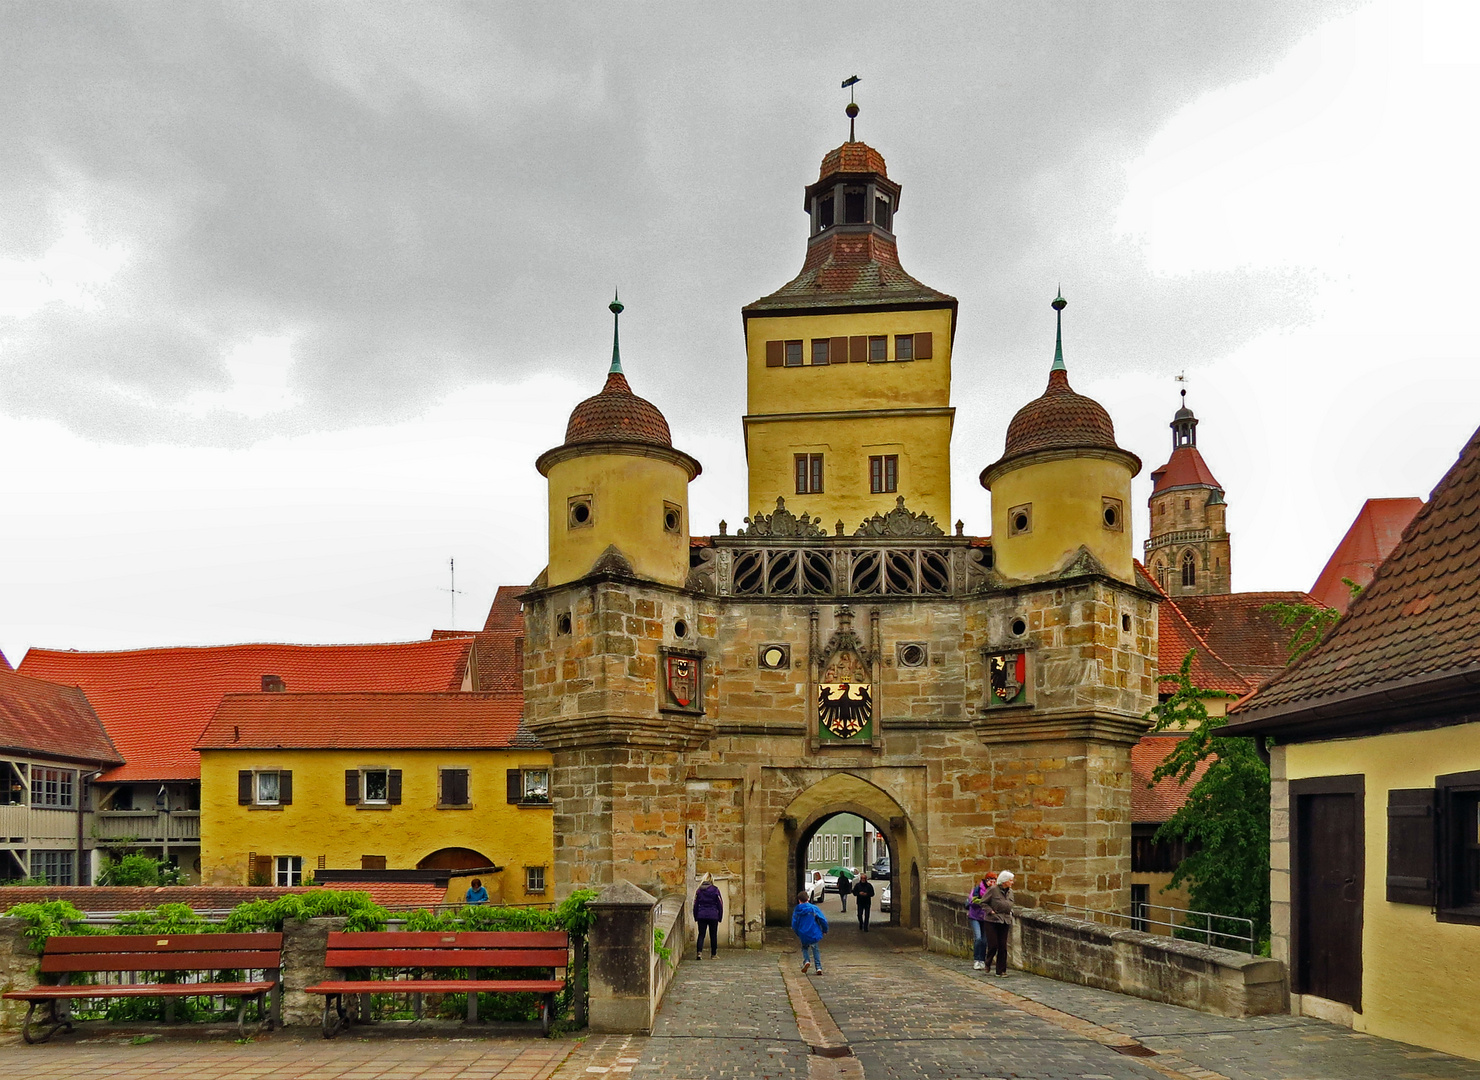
[1149, 966]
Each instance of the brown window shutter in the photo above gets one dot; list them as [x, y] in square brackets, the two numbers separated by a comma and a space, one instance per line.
[261, 868]
[924, 343]
[351, 786]
[775, 353]
[285, 787]
[1411, 846]
[516, 786]
[858, 350]
[244, 787]
[394, 794]
[837, 350]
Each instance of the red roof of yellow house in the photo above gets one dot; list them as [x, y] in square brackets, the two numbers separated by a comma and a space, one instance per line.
[46, 719]
[155, 702]
[1373, 535]
[363, 721]
[500, 644]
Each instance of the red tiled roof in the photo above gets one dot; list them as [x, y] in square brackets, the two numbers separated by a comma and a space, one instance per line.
[857, 269]
[1185, 468]
[1419, 617]
[363, 721]
[1059, 419]
[1241, 631]
[49, 720]
[204, 897]
[506, 613]
[500, 645]
[851, 157]
[1154, 805]
[1176, 637]
[4, 663]
[155, 702]
[1373, 535]
[617, 415]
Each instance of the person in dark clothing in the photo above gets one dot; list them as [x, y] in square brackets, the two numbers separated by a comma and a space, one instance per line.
[998, 920]
[709, 909]
[845, 886]
[863, 896]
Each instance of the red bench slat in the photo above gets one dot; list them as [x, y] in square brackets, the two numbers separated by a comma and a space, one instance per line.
[43, 993]
[471, 939]
[351, 958]
[163, 943]
[437, 986]
[181, 961]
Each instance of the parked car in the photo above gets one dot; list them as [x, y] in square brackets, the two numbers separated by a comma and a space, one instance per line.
[884, 903]
[830, 878]
[880, 869]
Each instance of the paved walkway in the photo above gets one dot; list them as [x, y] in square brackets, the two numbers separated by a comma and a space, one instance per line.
[883, 1010]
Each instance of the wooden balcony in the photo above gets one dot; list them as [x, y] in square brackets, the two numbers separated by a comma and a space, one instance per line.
[148, 826]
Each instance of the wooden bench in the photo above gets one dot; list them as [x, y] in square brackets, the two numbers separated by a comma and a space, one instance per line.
[408, 955]
[136, 954]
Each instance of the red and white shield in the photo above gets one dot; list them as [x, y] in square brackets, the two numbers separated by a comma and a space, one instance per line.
[683, 679]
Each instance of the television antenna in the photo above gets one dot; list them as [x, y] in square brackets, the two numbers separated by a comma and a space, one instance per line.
[453, 593]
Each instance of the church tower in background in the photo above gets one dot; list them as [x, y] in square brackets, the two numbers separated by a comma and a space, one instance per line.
[849, 364]
[1188, 553]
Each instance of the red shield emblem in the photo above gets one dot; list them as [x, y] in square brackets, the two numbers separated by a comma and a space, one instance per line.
[682, 679]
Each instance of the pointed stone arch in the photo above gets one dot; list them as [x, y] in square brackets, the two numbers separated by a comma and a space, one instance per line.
[840, 793]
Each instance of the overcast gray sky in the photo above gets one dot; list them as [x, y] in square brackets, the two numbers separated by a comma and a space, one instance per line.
[292, 295]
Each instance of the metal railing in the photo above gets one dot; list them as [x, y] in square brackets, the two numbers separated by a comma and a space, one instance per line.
[1195, 924]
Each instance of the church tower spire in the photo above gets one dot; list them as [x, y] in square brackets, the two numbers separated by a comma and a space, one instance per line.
[1189, 552]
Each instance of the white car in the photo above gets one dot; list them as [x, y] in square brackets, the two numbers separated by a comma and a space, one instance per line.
[884, 901]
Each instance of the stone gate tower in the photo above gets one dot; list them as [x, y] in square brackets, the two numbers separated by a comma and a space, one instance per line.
[974, 698]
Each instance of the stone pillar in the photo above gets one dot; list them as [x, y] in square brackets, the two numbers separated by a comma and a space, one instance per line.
[17, 971]
[304, 941]
[621, 964]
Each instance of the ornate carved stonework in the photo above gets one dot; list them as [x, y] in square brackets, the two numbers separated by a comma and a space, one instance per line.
[781, 522]
[845, 703]
[899, 522]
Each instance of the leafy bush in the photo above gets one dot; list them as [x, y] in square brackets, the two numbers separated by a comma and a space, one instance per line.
[47, 918]
[361, 912]
[139, 869]
[165, 919]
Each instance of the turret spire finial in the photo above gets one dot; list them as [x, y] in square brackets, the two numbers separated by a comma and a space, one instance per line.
[616, 310]
[1059, 304]
[852, 109]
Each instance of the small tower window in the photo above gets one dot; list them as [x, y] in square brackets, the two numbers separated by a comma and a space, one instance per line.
[1020, 520]
[883, 473]
[1161, 575]
[809, 474]
[1186, 504]
[819, 352]
[882, 211]
[853, 206]
[1110, 513]
[793, 354]
[825, 218]
[878, 349]
[578, 512]
[672, 517]
[1189, 570]
[904, 346]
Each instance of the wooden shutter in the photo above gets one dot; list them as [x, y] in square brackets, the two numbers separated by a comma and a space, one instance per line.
[858, 350]
[454, 787]
[351, 787]
[1411, 847]
[775, 353]
[516, 786]
[244, 787]
[837, 350]
[285, 787]
[261, 868]
[924, 344]
[394, 784]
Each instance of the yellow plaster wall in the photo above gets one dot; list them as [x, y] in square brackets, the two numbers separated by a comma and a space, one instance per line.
[1420, 978]
[318, 822]
[923, 442]
[628, 496]
[1065, 494]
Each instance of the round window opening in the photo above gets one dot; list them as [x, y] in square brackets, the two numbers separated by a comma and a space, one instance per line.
[563, 624]
[1019, 626]
[680, 629]
[1111, 517]
[1020, 523]
[912, 655]
[580, 513]
[773, 657]
[670, 520]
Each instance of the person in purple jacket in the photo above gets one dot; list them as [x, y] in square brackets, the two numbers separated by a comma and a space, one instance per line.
[709, 909]
[977, 911]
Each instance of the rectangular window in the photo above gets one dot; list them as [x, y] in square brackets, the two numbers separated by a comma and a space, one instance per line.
[883, 473]
[12, 784]
[819, 352]
[825, 217]
[1459, 847]
[372, 862]
[534, 879]
[881, 211]
[847, 859]
[809, 474]
[536, 785]
[1149, 857]
[57, 867]
[267, 789]
[904, 346]
[289, 870]
[52, 788]
[853, 203]
[376, 787]
[453, 787]
[793, 354]
[878, 349]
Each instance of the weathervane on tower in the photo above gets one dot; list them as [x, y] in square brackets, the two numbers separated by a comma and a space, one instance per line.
[852, 109]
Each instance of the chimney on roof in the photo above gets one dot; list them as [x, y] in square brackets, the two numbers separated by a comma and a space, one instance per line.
[272, 684]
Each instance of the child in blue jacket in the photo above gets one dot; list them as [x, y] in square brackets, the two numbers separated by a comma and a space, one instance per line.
[809, 923]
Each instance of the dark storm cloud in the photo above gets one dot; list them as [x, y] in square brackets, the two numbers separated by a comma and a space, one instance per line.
[425, 195]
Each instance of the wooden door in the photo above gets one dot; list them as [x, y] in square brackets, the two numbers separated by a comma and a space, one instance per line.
[1329, 896]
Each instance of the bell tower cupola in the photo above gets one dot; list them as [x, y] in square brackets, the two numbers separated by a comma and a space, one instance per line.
[1189, 551]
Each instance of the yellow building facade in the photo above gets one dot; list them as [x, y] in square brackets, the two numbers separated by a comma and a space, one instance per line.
[363, 790]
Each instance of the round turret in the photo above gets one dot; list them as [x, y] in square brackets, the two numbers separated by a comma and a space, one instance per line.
[618, 489]
[1062, 483]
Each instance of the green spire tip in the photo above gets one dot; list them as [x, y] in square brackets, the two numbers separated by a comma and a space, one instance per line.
[1059, 304]
[616, 310]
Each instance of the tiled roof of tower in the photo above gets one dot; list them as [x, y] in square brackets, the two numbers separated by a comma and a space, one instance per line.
[1060, 419]
[1185, 468]
[1176, 637]
[846, 270]
[1376, 531]
[852, 157]
[156, 702]
[1243, 633]
[1154, 804]
[50, 720]
[1420, 616]
[617, 415]
[363, 721]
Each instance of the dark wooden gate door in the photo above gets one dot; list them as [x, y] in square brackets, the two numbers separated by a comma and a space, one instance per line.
[1329, 897]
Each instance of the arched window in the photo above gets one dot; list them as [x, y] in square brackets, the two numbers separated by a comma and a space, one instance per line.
[1189, 569]
[1161, 574]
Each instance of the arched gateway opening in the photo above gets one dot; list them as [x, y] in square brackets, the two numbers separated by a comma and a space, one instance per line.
[842, 793]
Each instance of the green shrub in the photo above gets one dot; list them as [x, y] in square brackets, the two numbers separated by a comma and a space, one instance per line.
[46, 918]
[139, 869]
[165, 919]
[357, 908]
